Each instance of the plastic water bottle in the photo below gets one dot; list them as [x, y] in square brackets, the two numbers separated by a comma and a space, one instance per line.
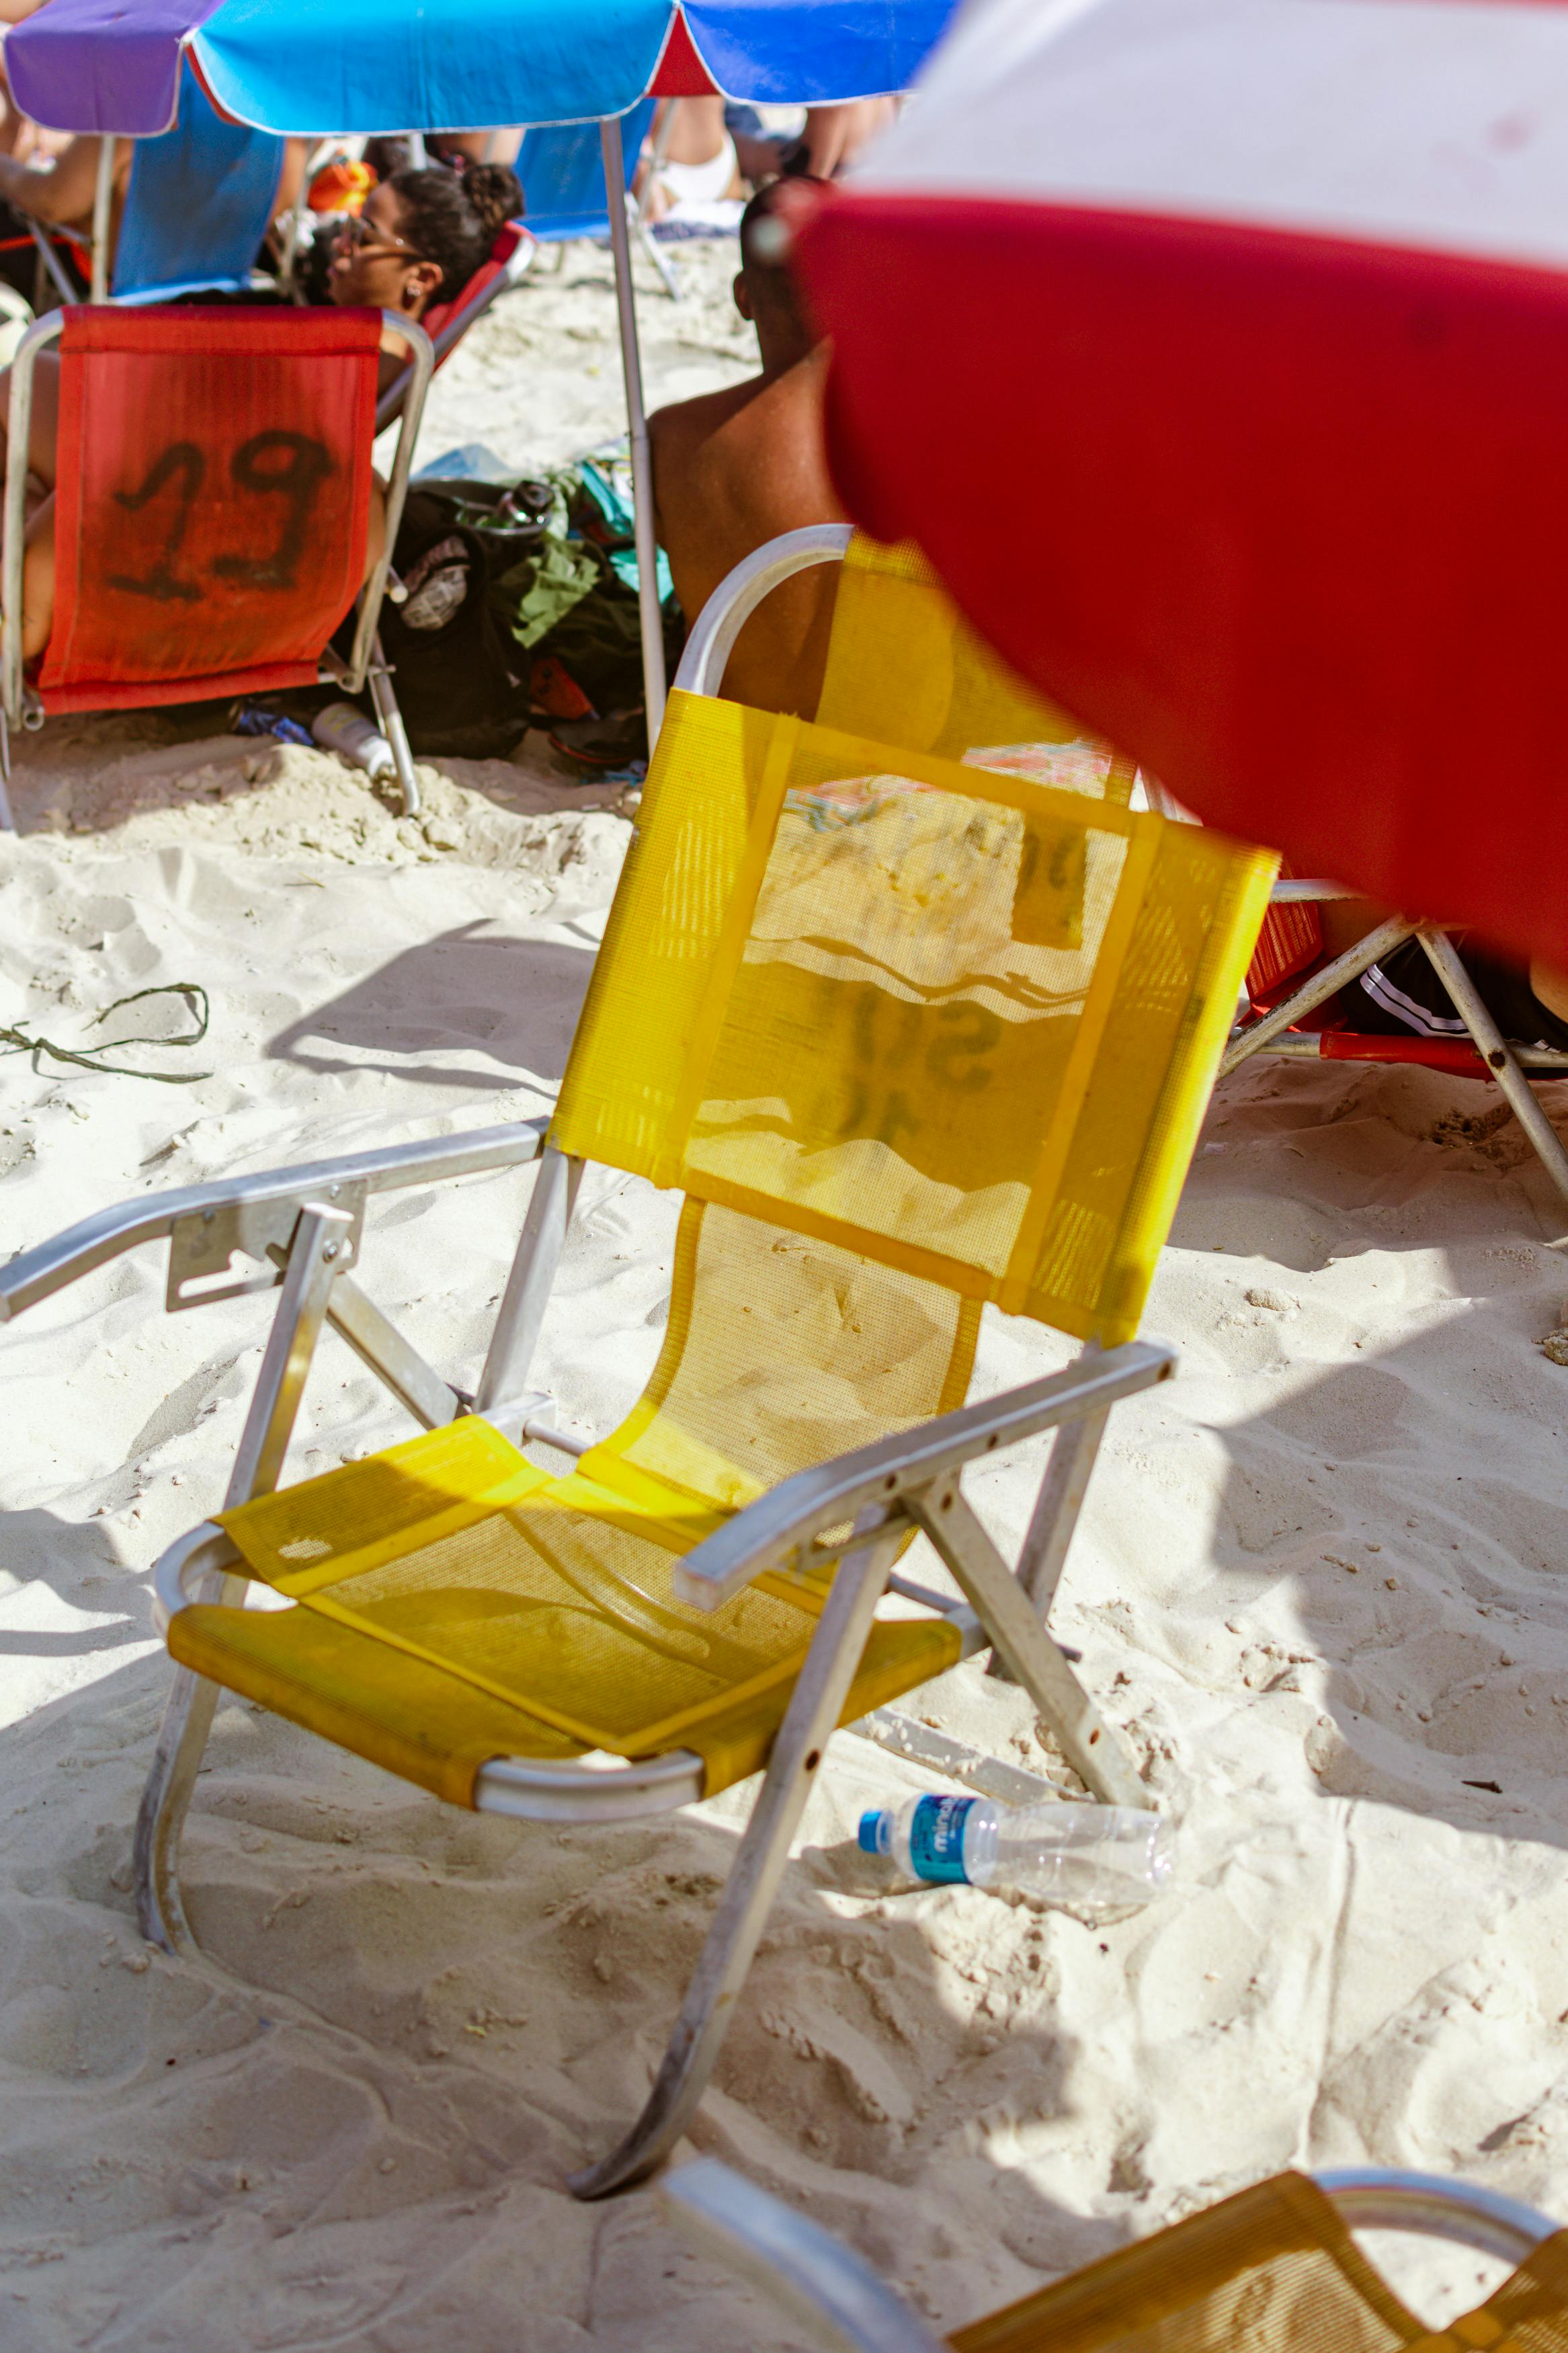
[1088, 1858]
[348, 733]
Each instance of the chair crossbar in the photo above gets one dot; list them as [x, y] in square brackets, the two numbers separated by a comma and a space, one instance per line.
[1502, 1061]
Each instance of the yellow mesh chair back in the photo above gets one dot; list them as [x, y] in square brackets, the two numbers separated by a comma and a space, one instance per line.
[904, 667]
[956, 1023]
[911, 1035]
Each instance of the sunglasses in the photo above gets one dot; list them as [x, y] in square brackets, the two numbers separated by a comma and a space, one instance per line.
[362, 235]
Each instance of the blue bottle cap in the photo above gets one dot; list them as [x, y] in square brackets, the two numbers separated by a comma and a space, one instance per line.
[871, 1832]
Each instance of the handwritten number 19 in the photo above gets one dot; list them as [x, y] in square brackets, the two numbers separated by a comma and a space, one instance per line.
[270, 465]
[182, 458]
[305, 467]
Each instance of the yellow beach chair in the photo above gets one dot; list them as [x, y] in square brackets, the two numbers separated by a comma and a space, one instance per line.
[911, 1035]
[1273, 2270]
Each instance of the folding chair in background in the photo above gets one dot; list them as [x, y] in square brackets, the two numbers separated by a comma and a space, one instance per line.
[212, 505]
[911, 1035]
[1273, 2269]
[565, 194]
[1292, 980]
[197, 207]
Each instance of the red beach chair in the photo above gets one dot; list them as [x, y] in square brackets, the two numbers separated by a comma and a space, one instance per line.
[212, 505]
[1291, 984]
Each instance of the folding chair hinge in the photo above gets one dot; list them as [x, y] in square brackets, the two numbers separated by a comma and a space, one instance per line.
[201, 1245]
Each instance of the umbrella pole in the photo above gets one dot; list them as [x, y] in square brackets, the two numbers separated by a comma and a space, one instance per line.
[642, 461]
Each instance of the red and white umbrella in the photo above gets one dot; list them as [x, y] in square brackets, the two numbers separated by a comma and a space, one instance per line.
[1217, 353]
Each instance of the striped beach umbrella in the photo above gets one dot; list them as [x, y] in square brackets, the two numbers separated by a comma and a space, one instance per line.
[1217, 354]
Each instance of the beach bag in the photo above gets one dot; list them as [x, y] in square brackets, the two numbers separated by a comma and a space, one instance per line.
[462, 683]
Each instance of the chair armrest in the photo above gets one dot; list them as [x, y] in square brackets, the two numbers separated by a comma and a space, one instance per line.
[737, 594]
[822, 2284]
[1369, 2199]
[434, 1160]
[774, 1530]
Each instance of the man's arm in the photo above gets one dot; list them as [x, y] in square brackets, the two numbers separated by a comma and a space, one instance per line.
[64, 193]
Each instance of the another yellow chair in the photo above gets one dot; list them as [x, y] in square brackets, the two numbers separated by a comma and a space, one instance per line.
[911, 1035]
[1273, 2270]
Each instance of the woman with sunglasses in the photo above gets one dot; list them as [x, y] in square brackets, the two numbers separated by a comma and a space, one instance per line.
[419, 239]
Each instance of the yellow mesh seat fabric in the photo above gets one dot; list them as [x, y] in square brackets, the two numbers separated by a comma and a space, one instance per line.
[455, 1603]
[904, 667]
[1273, 2270]
[944, 1017]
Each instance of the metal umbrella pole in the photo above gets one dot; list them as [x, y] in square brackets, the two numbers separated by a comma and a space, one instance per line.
[642, 461]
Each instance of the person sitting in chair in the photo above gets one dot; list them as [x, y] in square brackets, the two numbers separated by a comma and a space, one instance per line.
[419, 240]
[733, 469]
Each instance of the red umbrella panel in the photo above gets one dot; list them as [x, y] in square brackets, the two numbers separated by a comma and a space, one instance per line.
[1217, 354]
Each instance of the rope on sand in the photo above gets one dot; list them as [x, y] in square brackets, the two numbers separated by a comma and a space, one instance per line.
[15, 1041]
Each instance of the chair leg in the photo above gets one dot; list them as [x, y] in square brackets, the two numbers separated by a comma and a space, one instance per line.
[1494, 1051]
[165, 1802]
[188, 1713]
[660, 258]
[7, 822]
[393, 728]
[1097, 1754]
[1316, 991]
[821, 1689]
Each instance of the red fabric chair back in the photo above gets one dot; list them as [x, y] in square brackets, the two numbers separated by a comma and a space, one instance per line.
[212, 500]
[442, 315]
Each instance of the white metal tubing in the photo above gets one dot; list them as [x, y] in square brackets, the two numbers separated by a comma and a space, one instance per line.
[740, 591]
[534, 1790]
[1317, 991]
[1369, 2199]
[297, 1326]
[530, 1283]
[19, 427]
[193, 1700]
[431, 1160]
[1493, 1049]
[1093, 1749]
[826, 2289]
[1056, 1514]
[422, 362]
[642, 458]
[378, 1342]
[814, 1707]
[386, 711]
[102, 201]
[1296, 890]
[777, 1530]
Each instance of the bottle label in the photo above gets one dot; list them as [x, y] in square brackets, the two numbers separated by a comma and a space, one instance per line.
[936, 1837]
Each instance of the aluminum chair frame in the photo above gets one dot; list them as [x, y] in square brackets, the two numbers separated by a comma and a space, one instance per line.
[846, 2307]
[303, 1226]
[21, 705]
[1506, 1062]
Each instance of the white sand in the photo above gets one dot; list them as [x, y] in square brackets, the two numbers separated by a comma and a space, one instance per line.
[1317, 1580]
